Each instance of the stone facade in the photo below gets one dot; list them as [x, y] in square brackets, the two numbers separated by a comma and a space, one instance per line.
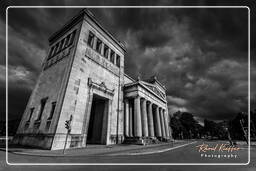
[83, 77]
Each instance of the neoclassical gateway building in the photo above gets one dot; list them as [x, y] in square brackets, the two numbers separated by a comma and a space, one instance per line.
[83, 78]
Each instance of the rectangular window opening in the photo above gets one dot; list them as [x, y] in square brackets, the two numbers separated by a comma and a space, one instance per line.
[56, 48]
[98, 45]
[67, 40]
[51, 52]
[43, 102]
[72, 38]
[106, 49]
[52, 110]
[112, 56]
[90, 39]
[118, 60]
[31, 113]
[62, 44]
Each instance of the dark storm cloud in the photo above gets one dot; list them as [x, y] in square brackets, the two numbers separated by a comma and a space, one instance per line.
[199, 54]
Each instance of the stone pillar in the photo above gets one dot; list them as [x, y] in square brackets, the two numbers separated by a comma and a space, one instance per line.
[115, 58]
[109, 51]
[102, 49]
[126, 125]
[162, 122]
[150, 121]
[158, 123]
[144, 118]
[166, 124]
[94, 42]
[131, 124]
[137, 118]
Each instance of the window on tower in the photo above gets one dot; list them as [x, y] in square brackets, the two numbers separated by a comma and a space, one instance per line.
[56, 48]
[91, 39]
[112, 56]
[52, 110]
[43, 102]
[98, 45]
[67, 40]
[106, 49]
[61, 45]
[30, 113]
[118, 60]
[72, 38]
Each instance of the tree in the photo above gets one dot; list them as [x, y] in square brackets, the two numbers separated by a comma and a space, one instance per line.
[177, 127]
[190, 125]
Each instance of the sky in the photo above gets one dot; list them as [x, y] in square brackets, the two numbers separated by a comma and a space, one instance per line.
[200, 55]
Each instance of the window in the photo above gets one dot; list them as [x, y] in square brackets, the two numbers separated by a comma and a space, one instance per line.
[106, 49]
[91, 39]
[52, 110]
[72, 38]
[118, 60]
[98, 45]
[51, 52]
[112, 56]
[67, 40]
[56, 48]
[61, 44]
[31, 113]
[43, 102]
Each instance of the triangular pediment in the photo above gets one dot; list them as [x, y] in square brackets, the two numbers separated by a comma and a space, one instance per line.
[154, 88]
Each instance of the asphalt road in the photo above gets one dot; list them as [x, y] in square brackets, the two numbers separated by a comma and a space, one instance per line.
[186, 154]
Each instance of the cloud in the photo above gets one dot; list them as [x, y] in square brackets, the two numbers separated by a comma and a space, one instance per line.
[199, 54]
[176, 100]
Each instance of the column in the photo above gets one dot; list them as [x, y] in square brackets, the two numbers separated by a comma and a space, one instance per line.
[144, 118]
[102, 49]
[137, 117]
[150, 121]
[166, 124]
[115, 58]
[158, 123]
[131, 120]
[109, 51]
[162, 122]
[126, 125]
[94, 42]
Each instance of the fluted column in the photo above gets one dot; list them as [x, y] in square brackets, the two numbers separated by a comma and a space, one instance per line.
[131, 124]
[144, 118]
[137, 117]
[126, 125]
[166, 124]
[150, 121]
[158, 123]
[162, 122]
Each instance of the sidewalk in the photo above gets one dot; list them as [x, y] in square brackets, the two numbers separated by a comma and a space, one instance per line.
[100, 150]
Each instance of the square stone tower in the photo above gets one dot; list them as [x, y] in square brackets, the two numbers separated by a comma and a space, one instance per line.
[82, 76]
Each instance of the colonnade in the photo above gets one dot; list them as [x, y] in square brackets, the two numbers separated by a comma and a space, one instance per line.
[144, 119]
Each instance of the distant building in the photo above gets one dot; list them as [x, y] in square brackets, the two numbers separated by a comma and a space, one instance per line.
[83, 76]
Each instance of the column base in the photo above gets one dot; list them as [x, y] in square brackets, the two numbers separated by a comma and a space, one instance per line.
[133, 140]
[141, 140]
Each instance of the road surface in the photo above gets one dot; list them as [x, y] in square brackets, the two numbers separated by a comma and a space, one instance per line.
[184, 154]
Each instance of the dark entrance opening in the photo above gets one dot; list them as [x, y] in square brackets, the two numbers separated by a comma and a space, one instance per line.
[97, 129]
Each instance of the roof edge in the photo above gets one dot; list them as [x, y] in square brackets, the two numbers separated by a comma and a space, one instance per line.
[76, 19]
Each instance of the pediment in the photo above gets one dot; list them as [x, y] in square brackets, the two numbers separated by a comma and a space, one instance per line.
[154, 88]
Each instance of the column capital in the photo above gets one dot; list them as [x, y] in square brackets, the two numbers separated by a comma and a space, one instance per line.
[149, 102]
